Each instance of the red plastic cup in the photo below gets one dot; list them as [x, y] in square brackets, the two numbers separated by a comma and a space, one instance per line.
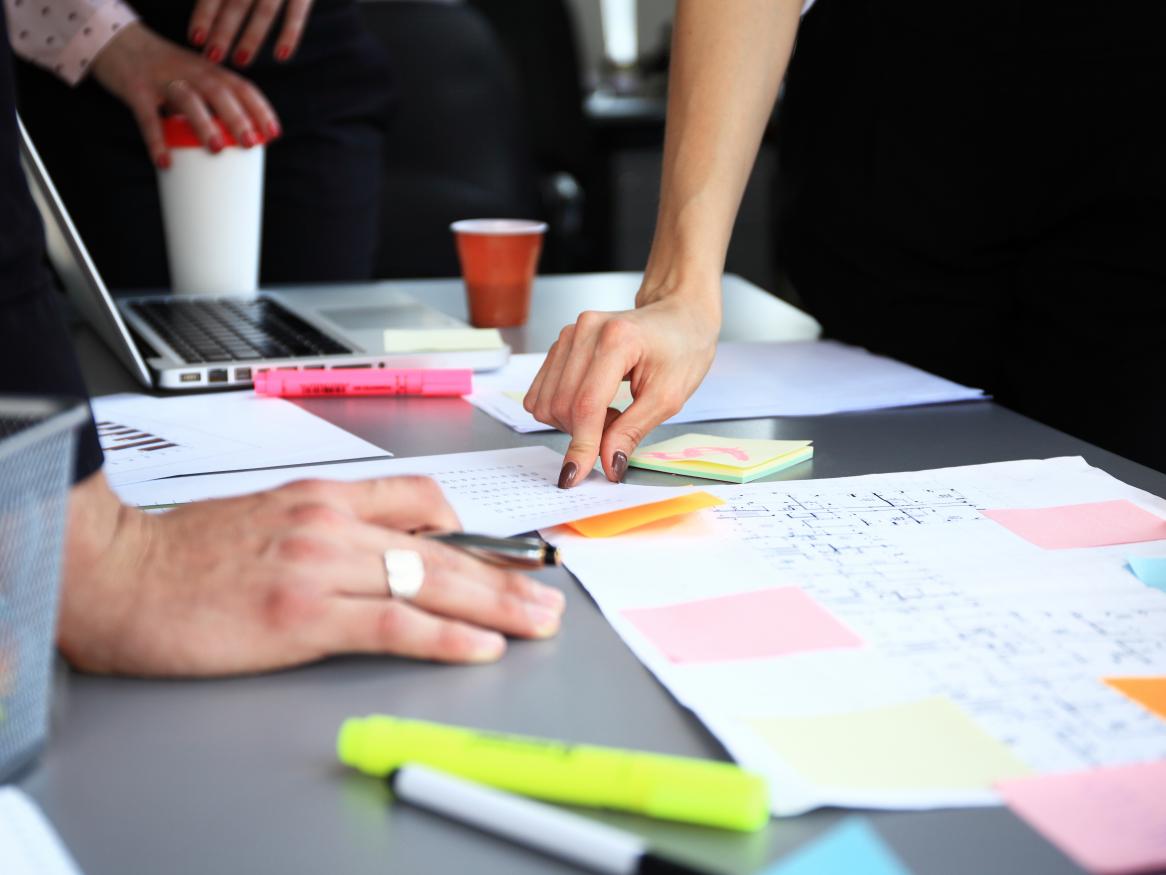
[498, 258]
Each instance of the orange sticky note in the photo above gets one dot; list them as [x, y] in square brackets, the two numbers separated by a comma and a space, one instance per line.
[1150, 693]
[616, 522]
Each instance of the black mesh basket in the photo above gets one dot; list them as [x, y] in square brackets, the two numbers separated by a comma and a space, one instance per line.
[37, 443]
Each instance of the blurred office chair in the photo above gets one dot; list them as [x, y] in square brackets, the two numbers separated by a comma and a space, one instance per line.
[457, 145]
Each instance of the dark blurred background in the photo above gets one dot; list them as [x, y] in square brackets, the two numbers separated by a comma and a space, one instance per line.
[549, 109]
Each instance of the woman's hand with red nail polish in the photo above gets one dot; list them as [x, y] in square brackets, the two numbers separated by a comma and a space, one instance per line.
[249, 22]
[150, 74]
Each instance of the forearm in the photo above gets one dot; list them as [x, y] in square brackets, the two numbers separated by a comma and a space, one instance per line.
[65, 36]
[728, 61]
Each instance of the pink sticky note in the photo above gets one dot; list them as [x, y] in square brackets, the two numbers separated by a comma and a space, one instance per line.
[1099, 524]
[1110, 821]
[751, 625]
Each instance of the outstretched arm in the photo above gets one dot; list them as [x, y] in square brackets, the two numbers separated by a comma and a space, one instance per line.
[728, 61]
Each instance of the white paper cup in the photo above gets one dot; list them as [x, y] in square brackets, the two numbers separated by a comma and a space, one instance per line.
[212, 209]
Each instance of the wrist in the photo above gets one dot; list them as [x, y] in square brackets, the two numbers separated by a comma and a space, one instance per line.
[105, 545]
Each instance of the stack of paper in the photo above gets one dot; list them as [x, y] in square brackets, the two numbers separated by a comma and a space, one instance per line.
[750, 380]
[907, 640]
[715, 457]
[494, 492]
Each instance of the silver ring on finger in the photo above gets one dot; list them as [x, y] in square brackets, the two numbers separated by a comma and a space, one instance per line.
[171, 84]
[404, 573]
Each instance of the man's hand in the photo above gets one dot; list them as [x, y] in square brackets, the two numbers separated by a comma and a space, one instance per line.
[148, 73]
[664, 347]
[216, 23]
[280, 578]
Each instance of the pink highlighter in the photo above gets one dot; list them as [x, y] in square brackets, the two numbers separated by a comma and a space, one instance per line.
[345, 382]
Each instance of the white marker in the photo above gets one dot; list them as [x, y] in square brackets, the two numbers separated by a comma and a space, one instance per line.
[553, 831]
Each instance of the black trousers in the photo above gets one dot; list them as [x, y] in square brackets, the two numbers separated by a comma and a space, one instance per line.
[322, 188]
[981, 191]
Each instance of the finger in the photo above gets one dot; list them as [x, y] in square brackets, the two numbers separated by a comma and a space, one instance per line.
[393, 626]
[456, 584]
[557, 358]
[149, 121]
[259, 25]
[201, 21]
[262, 113]
[294, 21]
[627, 431]
[230, 111]
[402, 503]
[226, 28]
[531, 396]
[182, 97]
[589, 410]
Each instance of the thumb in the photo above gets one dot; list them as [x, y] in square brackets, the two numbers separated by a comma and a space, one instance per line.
[626, 431]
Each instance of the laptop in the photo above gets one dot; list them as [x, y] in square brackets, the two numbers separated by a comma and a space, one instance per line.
[198, 342]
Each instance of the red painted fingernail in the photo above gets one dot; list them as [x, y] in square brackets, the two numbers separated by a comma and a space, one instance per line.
[274, 130]
[283, 53]
[215, 144]
[242, 56]
[162, 160]
[250, 138]
[198, 36]
[214, 54]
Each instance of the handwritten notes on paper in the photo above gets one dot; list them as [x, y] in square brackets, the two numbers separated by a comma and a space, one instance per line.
[751, 625]
[851, 847]
[930, 744]
[1151, 570]
[716, 457]
[617, 522]
[1098, 524]
[1150, 693]
[1110, 820]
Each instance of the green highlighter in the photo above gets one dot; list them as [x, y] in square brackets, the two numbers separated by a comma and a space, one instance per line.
[673, 788]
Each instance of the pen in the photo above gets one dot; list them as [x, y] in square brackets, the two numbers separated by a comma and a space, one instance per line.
[511, 552]
[552, 831]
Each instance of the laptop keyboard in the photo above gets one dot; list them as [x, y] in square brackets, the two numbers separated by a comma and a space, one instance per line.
[223, 330]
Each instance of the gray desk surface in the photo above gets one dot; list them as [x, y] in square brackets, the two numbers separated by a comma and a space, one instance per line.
[239, 775]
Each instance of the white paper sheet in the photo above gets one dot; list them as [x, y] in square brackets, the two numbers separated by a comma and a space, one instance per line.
[946, 602]
[495, 492]
[794, 378]
[28, 843]
[146, 438]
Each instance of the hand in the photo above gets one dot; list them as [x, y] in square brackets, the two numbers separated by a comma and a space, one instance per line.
[279, 578]
[216, 24]
[664, 347]
[149, 73]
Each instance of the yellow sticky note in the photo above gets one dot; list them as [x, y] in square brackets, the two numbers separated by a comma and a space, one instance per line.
[930, 744]
[616, 522]
[737, 460]
[403, 340]
[1150, 693]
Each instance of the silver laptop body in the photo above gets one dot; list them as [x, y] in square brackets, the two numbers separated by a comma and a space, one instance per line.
[320, 326]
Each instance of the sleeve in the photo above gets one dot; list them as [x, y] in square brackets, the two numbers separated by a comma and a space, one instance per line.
[65, 36]
[37, 358]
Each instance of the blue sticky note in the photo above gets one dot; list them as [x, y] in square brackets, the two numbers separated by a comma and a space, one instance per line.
[852, 847]
[1151, 570]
